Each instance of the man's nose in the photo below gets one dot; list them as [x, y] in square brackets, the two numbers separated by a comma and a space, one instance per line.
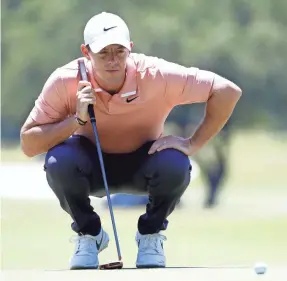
[112, 57]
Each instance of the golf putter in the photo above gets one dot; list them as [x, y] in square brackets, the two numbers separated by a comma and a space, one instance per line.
[119, 263]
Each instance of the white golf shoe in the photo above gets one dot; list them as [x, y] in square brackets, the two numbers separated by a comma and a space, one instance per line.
[150, 250]
[86, 251]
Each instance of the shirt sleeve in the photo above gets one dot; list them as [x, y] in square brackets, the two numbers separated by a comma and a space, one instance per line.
[51, 104]
[186, 85]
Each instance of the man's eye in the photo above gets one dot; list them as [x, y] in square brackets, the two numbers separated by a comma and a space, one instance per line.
[121, 51]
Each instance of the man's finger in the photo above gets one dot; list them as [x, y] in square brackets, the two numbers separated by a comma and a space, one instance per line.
[83, 84]
[88, 100]
[87, 89]
[86, 96]
[165, 146]
[154, 147]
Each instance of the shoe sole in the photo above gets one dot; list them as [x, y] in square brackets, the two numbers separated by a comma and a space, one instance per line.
[150, 266]
[83, 268]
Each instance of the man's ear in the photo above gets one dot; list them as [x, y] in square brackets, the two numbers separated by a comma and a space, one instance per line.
[85, 51]
[132, 44]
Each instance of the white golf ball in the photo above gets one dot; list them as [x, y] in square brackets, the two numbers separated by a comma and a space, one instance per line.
[260, 267]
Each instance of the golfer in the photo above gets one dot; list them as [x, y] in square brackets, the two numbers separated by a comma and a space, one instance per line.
[132, 95]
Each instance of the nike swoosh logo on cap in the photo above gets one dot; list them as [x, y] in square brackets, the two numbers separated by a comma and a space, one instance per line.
[106, 29]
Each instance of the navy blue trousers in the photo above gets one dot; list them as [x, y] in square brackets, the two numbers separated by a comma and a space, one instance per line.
[73, 173]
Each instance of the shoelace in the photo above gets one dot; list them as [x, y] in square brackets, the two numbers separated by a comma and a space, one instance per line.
[151, 241]
[83, 241]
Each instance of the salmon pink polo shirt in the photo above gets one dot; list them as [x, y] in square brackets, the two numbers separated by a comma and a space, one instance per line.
[135, 115]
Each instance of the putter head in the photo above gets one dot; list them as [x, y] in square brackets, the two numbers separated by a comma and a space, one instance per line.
[112, 265]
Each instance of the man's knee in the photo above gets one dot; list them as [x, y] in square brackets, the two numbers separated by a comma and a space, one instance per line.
[174, 166]
[171, 170]
[60, 162]
[67, 168]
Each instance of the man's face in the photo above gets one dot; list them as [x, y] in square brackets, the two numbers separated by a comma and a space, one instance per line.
[110, 63]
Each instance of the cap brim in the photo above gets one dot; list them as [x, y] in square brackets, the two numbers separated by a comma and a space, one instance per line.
[98, 45]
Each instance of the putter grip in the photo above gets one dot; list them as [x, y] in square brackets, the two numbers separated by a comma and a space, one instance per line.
[84, 77]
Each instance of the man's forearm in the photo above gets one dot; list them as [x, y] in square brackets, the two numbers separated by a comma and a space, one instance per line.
[219, 108]
[40, 139]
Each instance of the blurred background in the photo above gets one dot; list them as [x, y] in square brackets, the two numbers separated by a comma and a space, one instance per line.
[235, 210]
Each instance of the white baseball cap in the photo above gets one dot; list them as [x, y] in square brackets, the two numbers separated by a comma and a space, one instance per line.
[105, 29]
